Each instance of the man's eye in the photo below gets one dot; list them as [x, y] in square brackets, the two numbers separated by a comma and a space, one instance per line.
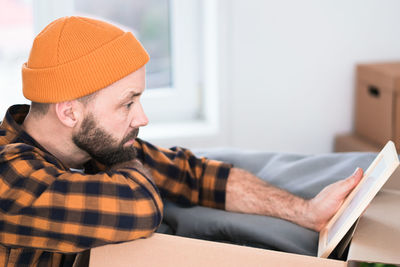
[129, 104]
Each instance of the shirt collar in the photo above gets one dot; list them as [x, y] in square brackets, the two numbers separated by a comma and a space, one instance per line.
[12, 122]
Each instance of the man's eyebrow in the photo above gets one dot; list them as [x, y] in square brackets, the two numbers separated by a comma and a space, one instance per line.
[130, 95]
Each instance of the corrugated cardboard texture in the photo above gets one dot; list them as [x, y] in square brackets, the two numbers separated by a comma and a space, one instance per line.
[377, 236]
[167, 250]
[351, 142]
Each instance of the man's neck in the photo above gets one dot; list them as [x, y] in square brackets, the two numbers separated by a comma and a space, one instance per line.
[55, 139]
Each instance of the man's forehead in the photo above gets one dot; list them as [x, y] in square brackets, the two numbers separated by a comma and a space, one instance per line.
[129, 86]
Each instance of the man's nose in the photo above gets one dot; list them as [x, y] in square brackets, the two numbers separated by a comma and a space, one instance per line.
[139, 117]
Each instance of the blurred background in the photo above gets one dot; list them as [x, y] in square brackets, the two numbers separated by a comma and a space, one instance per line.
[256, 74]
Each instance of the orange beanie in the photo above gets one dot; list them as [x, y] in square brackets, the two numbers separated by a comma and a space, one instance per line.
[76, 56]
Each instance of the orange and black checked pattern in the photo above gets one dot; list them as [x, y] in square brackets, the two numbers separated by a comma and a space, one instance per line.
[49, 214]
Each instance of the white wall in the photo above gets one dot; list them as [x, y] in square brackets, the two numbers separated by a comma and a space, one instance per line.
[291, 68]
[287, 70]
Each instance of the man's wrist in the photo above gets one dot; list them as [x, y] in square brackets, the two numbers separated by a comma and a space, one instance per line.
[310, 219]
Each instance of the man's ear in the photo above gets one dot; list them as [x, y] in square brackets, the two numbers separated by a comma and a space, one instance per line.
[68, 113]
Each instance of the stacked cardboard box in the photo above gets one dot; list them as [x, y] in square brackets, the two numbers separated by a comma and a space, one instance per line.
[352, 142]
[377, 112]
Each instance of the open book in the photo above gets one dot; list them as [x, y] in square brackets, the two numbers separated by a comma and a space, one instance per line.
[357, 201]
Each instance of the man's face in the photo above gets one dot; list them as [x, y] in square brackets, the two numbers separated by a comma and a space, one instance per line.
[112, 119]
[101, 145]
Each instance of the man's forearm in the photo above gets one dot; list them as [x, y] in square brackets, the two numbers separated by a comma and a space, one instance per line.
[247, 193]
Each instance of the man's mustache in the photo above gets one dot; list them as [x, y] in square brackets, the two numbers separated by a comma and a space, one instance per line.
[130, 136]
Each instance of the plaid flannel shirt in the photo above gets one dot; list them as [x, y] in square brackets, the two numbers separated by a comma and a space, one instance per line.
[50, 214]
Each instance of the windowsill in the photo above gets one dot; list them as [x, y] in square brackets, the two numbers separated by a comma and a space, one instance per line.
[184, 129]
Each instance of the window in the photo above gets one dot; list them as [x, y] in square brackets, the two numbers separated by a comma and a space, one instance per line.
[170, 30]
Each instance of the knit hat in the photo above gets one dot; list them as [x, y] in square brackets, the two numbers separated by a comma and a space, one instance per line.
[76, 56]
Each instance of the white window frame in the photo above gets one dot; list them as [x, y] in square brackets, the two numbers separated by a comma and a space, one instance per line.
[183, 101]
[180, 102]
[208, 126]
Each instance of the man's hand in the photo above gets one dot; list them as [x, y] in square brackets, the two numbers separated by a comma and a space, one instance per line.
[323, 206]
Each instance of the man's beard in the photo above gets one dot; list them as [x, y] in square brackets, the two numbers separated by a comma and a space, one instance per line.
[101, 146]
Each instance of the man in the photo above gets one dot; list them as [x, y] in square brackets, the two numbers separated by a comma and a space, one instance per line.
[75, 176]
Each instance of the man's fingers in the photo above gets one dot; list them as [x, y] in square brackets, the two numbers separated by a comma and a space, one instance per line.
[355, 178]
[358, 174]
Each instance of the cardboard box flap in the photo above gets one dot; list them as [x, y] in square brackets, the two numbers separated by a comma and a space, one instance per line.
[377, 236]
[168, 250]
[392, 69]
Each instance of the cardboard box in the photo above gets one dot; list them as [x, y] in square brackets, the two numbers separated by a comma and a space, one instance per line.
[175, 251]
[375, 240]
[352, 142]
[377, 113]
